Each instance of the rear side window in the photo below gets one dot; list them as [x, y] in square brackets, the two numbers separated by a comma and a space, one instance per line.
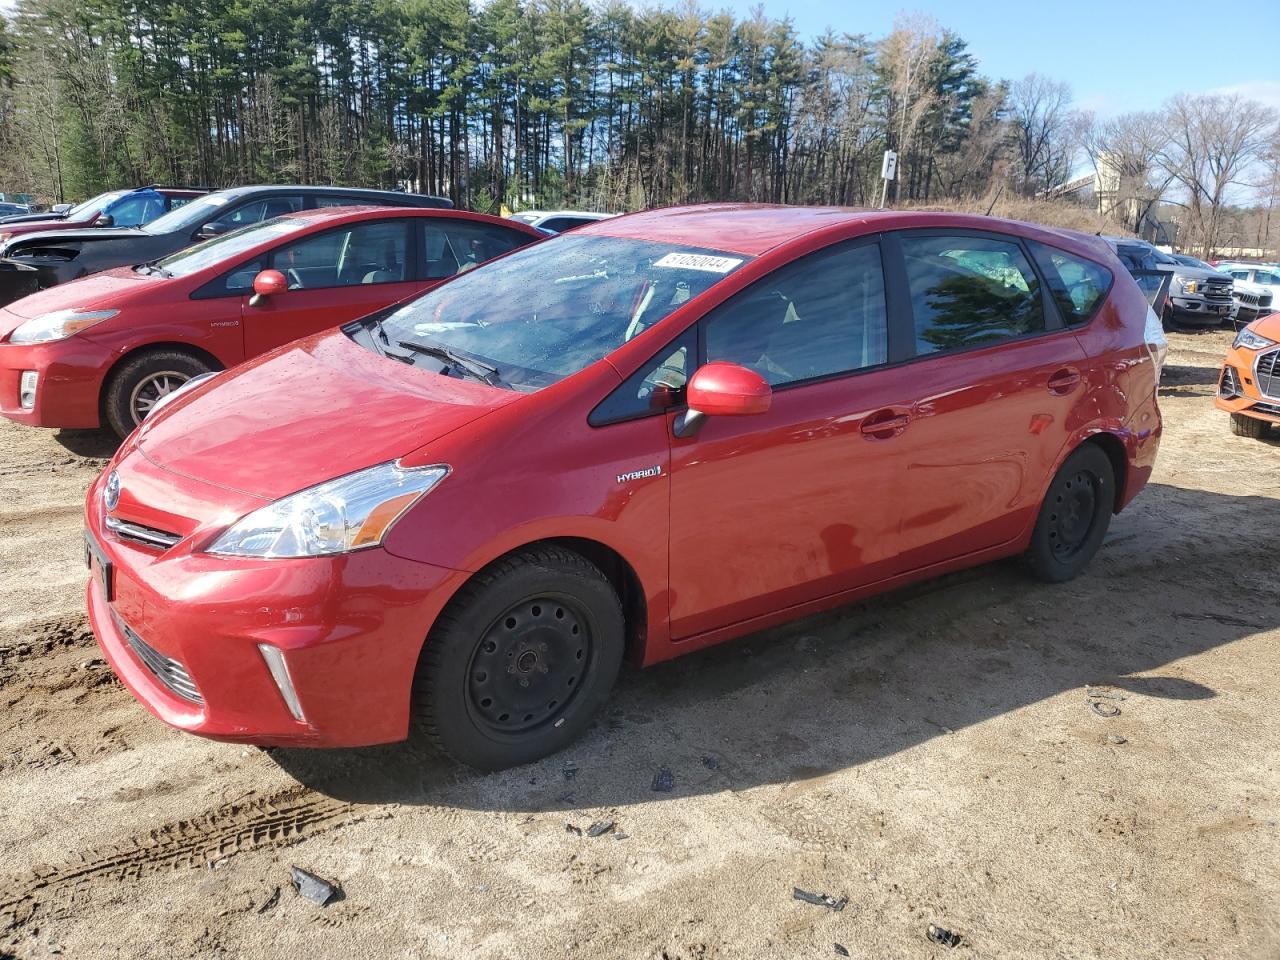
[450, 247]
[821, 315]
[969, 291]
[1078, 285]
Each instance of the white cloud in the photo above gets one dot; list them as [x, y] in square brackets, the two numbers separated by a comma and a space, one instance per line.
[1264, 91]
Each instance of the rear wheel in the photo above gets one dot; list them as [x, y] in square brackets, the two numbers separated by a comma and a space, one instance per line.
[1251, 427]
[521, 659]
[141, 382]
[1074, 516]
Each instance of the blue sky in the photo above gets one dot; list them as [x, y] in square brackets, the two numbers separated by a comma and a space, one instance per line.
[1117, 56]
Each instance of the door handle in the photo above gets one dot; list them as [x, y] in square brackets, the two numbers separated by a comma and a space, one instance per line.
[1064, 380]
[884, 425]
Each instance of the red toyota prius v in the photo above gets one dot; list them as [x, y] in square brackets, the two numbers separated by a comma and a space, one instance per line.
[653, 434]
[105, 349]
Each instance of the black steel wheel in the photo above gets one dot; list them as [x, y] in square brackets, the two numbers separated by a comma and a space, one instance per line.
[1074, 516]
[529, 664]
[521, 659]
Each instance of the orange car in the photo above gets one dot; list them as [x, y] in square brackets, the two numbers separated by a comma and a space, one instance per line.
[1249, 386]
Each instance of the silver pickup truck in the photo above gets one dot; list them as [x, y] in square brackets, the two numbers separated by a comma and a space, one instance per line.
[1198, 295]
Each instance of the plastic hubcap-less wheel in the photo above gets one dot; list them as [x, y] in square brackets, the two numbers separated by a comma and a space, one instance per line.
[529, 665]
[150, 389]
[1071, 517]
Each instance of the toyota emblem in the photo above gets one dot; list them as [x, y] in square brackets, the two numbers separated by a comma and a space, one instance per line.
[111, 494]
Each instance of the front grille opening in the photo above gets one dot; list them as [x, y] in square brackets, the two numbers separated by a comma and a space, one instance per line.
[137, 533]
[1229, 384]
[1268, 374]
[168, 671]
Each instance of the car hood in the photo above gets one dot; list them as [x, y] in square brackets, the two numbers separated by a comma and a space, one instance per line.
[1267, 326]
[16, 218]
[316, 409]
[61, 238]
[1197, 273]
[97, 292]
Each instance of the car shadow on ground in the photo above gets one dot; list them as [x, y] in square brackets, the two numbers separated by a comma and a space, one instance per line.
[840, 689]
[97, 444]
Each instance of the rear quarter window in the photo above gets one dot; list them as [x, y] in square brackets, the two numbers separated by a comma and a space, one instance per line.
[1078, 284]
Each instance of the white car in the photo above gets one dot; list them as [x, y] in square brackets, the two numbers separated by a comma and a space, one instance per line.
[558, 221]
[1263, 280]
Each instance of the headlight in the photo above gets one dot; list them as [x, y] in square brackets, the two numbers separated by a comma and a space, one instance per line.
[338, 516]
[1188, 286]
[1251, 341]
[58, 325]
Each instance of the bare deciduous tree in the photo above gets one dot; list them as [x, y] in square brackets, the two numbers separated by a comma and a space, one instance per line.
[904, 59]
[1125, 152]
[1040, 122]
[1213, 141]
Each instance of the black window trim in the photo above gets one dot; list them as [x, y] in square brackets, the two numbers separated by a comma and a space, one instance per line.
[1053, 320]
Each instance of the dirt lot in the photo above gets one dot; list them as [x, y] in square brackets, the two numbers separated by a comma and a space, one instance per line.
[931, 756]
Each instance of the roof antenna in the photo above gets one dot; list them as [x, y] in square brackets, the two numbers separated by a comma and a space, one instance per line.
[996, 198]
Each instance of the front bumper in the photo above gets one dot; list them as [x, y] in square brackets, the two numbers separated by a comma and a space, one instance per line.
[71, 373]
[350, 628]
[1240, 392]
[1200, 311]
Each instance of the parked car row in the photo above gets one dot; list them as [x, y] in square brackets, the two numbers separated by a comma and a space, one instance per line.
[106, 349]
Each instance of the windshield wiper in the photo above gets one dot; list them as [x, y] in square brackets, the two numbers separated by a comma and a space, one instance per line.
[478, 369]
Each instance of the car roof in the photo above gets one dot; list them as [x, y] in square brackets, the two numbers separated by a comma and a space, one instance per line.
[404, 199]
[329, 215]
[755, 229]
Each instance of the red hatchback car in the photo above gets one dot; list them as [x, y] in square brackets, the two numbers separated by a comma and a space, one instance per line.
[650, 435]
[107, 348]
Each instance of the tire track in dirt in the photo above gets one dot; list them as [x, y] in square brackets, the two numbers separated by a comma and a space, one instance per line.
[60, 465]
[277, 820]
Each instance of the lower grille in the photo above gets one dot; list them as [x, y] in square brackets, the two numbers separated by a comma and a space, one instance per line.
[168, 671]
[1268, 374]
[1228, 385]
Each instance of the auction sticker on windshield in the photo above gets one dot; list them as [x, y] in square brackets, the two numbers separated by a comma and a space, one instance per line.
[698, 261]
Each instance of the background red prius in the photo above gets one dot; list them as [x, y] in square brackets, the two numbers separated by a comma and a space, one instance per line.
[652, 434]
[107, 348]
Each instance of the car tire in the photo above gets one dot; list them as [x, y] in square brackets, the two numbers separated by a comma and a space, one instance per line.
[1252, 427]
[521, 659]
[159, 372]
[1074, 516]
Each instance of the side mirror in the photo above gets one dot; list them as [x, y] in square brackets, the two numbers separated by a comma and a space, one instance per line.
[268, 283]
[60, 208]
[211, 230]
[720, 389]
[105, 220]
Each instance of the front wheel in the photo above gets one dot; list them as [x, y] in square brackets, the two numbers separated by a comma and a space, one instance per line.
[142, 382]
[1074, 516]
[521, 659]
[1251, 427]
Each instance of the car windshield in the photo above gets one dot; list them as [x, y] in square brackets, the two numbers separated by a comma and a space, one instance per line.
[95, 205]
[228, 246]
[188, 215]
[552, 309]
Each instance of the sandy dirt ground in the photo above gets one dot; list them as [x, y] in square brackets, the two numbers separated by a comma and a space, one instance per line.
[931, 755]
